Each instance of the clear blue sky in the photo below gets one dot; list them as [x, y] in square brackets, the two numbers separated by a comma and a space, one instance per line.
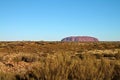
[51, 20]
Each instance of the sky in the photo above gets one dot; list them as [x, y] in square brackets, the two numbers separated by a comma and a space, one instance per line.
[52, 20]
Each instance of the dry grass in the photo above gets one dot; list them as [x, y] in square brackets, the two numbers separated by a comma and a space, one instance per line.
[59, 61]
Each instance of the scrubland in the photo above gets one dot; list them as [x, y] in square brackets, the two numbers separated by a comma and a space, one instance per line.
[30, 60]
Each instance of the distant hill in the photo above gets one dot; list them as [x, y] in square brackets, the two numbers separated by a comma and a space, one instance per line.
[80, 39]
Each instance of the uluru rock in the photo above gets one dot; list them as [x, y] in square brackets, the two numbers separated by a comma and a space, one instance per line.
[80, 39]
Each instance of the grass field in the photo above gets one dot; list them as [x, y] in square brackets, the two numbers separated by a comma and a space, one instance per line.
[30, 60]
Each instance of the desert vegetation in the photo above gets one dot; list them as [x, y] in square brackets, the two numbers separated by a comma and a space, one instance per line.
[30, 60]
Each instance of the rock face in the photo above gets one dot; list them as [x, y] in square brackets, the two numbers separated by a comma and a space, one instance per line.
[80, 39]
